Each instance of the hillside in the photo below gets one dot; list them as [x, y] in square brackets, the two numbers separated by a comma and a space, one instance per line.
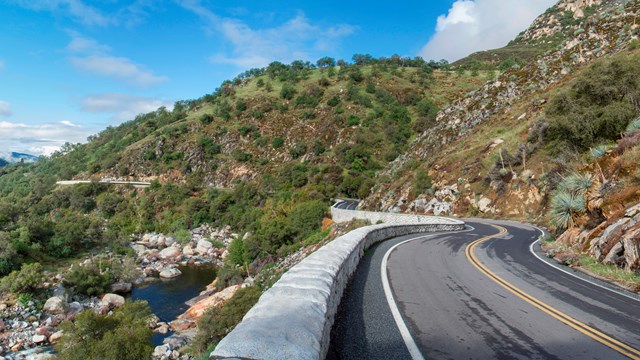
[504, 150]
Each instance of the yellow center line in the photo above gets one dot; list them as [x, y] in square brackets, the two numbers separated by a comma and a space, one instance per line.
[585, 329]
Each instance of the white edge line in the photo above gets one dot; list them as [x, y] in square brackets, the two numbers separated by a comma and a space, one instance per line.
[404, 331]
[569, 273]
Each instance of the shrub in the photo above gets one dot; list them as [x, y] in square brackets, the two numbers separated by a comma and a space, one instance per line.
[352, 121]
[206, 119]
[287, 92]
[25, 280]
[217, 322]
[120, 336]
[88, 280]
[277, 142]
[334, 101]
[421, 181]
[298, 150]
[237, 252]
[307, 217]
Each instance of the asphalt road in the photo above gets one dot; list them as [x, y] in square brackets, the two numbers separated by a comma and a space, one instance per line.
[455, 311]
[348, 204]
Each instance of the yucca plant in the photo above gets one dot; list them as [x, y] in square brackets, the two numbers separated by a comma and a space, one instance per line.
[566, 207]
[633, 126]
[577, 184]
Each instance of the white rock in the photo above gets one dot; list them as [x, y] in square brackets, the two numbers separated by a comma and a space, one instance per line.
[483, 204]
[169, 273]
[170, 253]
[203, 246]
[55, 305]
[112, 300]
[38, 339]
[139, 249]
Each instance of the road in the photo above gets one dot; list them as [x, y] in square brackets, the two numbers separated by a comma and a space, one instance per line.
[347, 204]
[463, 299]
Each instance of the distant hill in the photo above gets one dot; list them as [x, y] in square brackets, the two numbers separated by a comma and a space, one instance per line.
[7, 158]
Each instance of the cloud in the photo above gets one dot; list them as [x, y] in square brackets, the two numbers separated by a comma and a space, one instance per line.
[296, 39]
[123, 107]
[129, 15]
[42, 139]
[5, 108]
[474, 25]
[93, 57]
[75, 9]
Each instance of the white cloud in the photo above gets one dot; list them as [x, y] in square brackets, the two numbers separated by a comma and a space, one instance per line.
[122, 107]
[129, 15]
[76, 9]
[92, 57]
[42, 139]
[5, 108]
[474, 25]
[296, 39]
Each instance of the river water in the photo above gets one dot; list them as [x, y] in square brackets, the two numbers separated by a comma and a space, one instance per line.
[167, 297]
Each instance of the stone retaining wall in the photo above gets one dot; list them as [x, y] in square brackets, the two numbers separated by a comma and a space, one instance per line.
[293, 319]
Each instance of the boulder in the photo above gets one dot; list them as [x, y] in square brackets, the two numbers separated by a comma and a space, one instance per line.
[170, 253]
[112, 300]
[75, 307]
[188, 250]
[121, 287]
[55, 305]
[631, 242]
[196, 311]
[169, 241]
[180, 325]
[203, 246]
[483, 205]
[56, 336]
[62, 292]
[170, 273]
[159, 351]
[139, 249]
[38, 339]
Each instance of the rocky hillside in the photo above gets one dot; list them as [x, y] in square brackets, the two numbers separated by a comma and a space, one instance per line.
[504, 149]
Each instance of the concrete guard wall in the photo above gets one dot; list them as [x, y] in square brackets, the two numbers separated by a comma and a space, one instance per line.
[293, 319]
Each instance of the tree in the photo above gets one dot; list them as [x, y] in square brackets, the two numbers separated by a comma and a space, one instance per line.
[326, 62]
[362, 59]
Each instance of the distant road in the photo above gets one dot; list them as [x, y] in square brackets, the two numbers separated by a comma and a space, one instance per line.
[114, 182]
[347, 204]
[480, 294]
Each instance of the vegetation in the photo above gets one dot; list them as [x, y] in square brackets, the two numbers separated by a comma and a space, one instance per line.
[122, 335]
[219, 321]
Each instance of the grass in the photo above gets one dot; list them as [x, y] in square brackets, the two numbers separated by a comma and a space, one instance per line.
[611, 272]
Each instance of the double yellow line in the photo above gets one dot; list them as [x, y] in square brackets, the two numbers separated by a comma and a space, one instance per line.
[596, 335]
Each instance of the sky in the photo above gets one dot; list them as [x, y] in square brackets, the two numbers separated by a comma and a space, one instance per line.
[70, 68]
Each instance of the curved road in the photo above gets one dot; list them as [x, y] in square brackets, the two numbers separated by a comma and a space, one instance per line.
[509, 304]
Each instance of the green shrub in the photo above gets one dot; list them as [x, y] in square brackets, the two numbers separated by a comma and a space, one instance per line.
[334, 101]
[565, 208]
[217, 322]
[27, 279]
[421, 181]
[287, 92]
[352, 121]
[237, 252]
[206, 119]
[306, 217]
[88, 280]
[121, 336]
[277, 142]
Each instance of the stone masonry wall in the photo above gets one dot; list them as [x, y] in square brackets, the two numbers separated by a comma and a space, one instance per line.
[293, 319]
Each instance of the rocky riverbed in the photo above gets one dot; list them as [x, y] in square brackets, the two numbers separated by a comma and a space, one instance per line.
[28, 329]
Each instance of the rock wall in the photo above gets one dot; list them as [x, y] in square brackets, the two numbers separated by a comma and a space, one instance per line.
[293, 319]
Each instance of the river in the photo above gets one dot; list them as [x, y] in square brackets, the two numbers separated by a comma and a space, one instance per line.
[167, 297]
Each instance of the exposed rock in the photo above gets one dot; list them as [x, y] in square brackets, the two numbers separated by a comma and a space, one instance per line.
[139, 249]
[55, 305]
[170, 253]
[180, 325]
[203, 246]
[56, 336]
[196, 311]
[631, 242]
[62, 292]
[39, 339]
[483, 205]
[112, 300]
[615, 256]
[75, 307]
[121, 287]
[170, 273]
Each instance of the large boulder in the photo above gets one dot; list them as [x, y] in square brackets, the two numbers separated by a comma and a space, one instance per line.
[631, 242]
[121, 287]
[55, 305]
[139, 249]
[170, 253]
[112, 300]
[217, 299]
[203, 246]
[170, 273]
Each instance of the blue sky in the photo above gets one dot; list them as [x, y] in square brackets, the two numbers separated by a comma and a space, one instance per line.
[70, 68]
